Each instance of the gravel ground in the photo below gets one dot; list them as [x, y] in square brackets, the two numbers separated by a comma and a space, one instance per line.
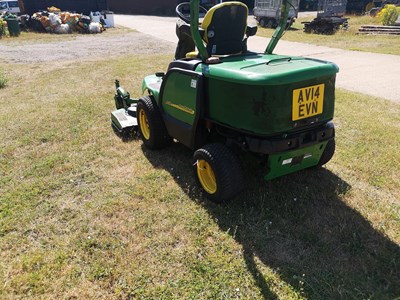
[84, 47]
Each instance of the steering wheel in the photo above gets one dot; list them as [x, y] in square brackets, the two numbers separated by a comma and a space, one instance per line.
[183, 11]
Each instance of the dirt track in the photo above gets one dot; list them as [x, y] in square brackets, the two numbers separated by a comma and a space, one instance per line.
[83, 47]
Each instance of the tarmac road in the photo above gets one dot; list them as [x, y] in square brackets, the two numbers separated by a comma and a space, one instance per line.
[368, 73]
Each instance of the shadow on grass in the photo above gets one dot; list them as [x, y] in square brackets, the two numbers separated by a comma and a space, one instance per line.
[299, 227]
[126, 136]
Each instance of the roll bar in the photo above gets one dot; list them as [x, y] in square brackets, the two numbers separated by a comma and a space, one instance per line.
[194, 28]
[281, 27]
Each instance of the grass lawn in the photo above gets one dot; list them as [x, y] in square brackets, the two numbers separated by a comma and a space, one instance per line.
[348, 40]
[85, 215]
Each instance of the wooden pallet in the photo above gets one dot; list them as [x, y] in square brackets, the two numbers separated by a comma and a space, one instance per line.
[376, 29]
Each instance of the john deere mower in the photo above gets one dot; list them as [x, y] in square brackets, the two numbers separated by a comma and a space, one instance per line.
[222, 99]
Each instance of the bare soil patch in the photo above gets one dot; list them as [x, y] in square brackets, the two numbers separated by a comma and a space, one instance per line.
[84, 47]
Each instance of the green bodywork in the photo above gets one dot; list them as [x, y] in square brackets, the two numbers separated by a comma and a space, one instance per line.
[254, 93]
[180, 103]
[287, 162]
[251, 93]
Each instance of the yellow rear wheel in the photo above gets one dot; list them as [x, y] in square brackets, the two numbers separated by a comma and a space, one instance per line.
[144, 124]
[218, 172]
[206, 176]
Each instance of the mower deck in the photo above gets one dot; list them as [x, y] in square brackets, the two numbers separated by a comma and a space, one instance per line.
[124, 120]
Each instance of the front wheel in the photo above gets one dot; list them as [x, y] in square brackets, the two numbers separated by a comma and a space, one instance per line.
[263, 22]
[151, 125]
[267, 23]
[270, 23]
[218, 172]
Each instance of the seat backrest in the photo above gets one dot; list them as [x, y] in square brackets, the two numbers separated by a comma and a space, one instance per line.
[225, 26]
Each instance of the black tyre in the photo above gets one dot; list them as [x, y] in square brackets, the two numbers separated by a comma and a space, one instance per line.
[267, 22]
[151, 125]
[218, 172]
[270, 23]
[328, 153]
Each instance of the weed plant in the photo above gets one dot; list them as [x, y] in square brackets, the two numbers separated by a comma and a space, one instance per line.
[3, 80]
[389, 14]
[2, 28]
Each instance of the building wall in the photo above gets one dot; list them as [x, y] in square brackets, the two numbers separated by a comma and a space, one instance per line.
[155, 7]
[80, 6]
[149, 7]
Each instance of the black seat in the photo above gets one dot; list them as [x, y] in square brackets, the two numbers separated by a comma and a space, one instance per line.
[224, 31]
[225, 27]
[185, 40]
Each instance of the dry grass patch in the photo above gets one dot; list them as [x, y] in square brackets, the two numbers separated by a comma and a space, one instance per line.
[348, 40]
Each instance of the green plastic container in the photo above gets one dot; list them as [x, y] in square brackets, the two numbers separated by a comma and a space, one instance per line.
[13, 27]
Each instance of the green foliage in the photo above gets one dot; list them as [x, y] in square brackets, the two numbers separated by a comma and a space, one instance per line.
[389, 14]
[2, 28]
[3, 80]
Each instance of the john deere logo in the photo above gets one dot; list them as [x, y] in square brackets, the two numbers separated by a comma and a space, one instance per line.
[180, 107]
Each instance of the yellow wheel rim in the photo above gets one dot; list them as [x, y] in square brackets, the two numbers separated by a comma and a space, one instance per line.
[144, 124]
[206, 176]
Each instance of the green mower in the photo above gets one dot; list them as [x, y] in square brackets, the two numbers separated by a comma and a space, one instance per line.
[224, 99]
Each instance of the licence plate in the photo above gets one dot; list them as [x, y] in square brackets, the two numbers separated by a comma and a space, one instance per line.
[307, 102]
